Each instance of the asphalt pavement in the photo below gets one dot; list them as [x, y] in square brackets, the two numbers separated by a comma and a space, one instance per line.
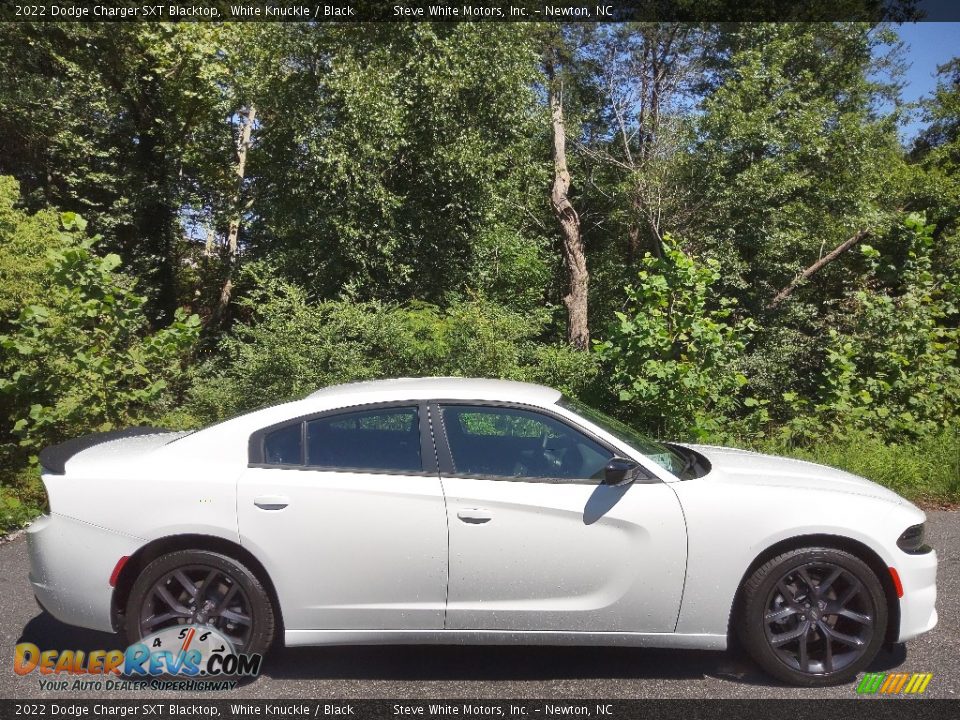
[494, 672]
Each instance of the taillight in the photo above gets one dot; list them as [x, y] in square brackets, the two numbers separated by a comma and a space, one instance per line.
[117, 569]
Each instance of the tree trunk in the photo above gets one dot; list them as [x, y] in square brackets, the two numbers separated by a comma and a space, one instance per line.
[210, 243]
[635, 239]
[578, 329]
[817, 266]
[233, 229]
[154, 228]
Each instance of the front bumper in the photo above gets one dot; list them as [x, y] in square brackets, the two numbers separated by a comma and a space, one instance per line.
[918, 612]
[70, 566]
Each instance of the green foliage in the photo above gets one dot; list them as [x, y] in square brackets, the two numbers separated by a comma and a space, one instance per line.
[292, 346]
[397, 188]
[82, 359]
[790, 160]
[390, 169]
[791, 156]
[891, 366]
[22, 498]
[672, 355]
[936, 153]
[14, 512]
[25, 240]
[127, 126]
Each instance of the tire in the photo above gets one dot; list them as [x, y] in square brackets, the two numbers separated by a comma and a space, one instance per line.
[814, 616]
[231, 598]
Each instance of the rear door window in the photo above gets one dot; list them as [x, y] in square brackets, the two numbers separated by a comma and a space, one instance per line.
[385, 439]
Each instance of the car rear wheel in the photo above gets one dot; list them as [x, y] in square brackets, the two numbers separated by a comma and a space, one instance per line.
[201, 587]
[814, 616]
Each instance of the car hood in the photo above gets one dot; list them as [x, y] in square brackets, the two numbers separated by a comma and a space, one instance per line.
[746, 467]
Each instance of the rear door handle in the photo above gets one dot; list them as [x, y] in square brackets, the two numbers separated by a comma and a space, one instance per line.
[271, 502]
[474, 516]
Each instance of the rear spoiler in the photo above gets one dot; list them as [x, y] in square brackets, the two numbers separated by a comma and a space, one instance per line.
[53, 459]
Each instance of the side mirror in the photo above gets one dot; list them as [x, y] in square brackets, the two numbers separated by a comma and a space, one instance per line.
[621, 471]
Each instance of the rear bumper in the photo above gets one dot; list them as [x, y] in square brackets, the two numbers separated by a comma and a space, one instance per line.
[918, 612]
[70, 566]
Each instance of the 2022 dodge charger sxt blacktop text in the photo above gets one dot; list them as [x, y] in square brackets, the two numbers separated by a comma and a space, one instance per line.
[445, 510]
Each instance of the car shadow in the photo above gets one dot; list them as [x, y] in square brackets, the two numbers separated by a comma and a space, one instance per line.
[497, 663]
[601, 501]
[486, 663]
[467, 662]
[48, 633]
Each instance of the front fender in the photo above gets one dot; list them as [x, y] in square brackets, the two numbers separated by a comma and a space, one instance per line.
[730, 526]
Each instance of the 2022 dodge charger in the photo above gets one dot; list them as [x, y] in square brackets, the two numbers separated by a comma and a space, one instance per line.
[444, 510]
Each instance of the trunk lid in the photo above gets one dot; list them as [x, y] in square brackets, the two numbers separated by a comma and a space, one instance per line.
[88, 453]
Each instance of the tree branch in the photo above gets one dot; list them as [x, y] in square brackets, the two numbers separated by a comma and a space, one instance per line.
[858, 236]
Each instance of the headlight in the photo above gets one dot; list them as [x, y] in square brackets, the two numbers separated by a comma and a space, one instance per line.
[911, 541]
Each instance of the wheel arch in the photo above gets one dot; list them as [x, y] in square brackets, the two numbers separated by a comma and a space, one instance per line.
[171, 543]
[838, 542]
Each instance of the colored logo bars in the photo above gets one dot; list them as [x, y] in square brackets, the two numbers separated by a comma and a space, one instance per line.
[894, 683]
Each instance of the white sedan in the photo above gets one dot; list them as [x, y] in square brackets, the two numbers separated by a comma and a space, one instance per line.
[445, 510]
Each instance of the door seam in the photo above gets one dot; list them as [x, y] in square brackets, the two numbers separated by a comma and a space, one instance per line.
[446, 508]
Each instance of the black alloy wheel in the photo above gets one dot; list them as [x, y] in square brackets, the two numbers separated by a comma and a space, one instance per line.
[814, 616]
[819, 618]
[200, 587]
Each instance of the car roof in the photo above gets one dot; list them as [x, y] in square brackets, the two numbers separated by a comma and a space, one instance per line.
[443, 388]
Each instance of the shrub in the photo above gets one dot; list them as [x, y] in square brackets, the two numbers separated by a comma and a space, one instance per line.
[25, 240]
[672, 353]
[892, 370]
[22, 498]
[289, 347]
[83, 359]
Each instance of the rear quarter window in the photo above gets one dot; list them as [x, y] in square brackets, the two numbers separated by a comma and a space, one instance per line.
[384, 439]
[284, 446]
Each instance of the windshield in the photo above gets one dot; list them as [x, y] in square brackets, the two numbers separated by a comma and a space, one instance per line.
[661, 454]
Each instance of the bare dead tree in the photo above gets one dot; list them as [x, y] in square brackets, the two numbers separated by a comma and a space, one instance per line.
[575, 261]
[647, 69]
[247, 120]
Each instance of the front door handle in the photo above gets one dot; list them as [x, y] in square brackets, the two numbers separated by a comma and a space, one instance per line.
[271, 502]
[474, 516]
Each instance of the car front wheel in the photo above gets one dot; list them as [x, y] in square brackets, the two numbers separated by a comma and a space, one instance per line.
[201, 587]
[813, 616]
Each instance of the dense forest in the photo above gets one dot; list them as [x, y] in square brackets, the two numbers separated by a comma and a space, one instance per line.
[714, 232]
